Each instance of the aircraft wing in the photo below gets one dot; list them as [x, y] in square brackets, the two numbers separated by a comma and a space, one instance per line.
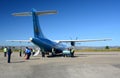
[86, 40]
[18, 40]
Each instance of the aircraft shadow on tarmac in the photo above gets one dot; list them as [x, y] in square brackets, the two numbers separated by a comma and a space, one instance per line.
[61, 56]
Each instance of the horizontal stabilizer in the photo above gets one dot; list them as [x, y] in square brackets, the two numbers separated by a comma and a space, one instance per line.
[37, 13]
[46, 12]
[22, 14]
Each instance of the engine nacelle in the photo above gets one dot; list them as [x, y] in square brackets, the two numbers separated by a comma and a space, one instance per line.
[72, 43]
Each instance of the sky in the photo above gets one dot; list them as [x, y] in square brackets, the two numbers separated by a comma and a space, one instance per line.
[82, 19]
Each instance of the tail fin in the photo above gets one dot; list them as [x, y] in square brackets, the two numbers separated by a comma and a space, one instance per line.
[37, 30]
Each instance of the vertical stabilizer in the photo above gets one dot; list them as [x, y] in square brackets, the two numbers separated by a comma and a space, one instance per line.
[37, 30]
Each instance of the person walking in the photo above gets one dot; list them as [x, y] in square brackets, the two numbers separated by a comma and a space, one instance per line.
[9, 52]
[53, 51]
[5, 51]
[28, 53]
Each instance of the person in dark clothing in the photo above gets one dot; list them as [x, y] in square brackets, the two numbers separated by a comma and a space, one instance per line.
[20, 52]
[9, 54]
[43, 52]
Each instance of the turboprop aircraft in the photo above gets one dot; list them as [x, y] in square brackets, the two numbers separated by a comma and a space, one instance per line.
[45, 44]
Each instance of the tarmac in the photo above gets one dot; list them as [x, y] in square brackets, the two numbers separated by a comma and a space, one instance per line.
[83, 65]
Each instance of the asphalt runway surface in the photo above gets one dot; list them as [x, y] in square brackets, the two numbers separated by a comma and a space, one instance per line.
[83, 65]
